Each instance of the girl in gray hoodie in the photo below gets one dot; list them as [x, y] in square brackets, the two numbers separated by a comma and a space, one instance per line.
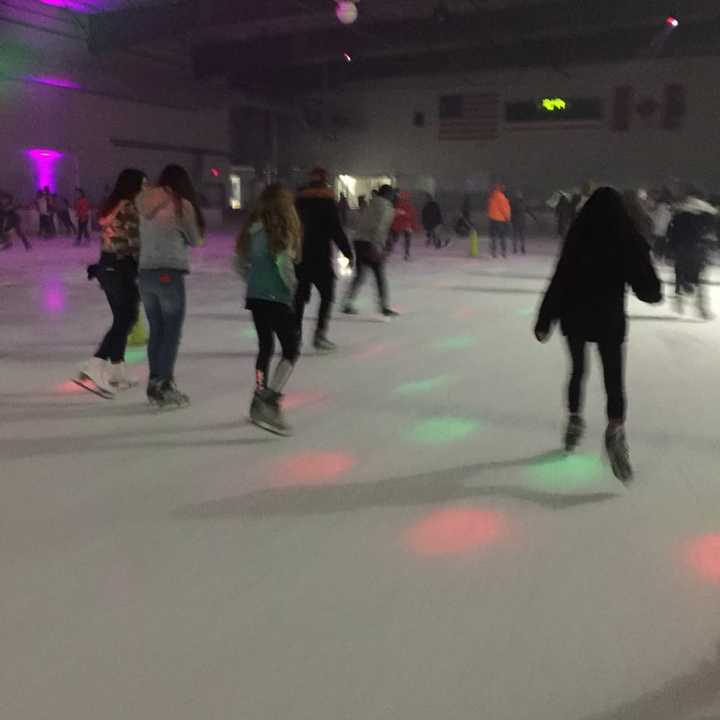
[171, 222]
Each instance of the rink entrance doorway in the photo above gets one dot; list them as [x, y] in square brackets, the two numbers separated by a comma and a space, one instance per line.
[354, 187]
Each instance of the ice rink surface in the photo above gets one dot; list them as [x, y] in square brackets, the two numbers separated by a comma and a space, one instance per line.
[417, 551]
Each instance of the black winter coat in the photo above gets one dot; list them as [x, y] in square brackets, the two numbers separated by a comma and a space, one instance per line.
[431, 215]
[321, 228]
[603, 253]
[687, 242]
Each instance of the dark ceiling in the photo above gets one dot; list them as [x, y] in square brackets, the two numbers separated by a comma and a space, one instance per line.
[298, 45]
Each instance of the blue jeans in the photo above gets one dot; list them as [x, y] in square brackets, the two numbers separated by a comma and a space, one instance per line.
[163, 295]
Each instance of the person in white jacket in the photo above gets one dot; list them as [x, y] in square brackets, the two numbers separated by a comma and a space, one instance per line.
[371, 232]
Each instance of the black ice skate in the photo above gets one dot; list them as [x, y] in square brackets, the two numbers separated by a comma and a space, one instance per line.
[618, 453]
[574, 432]
[265, 412]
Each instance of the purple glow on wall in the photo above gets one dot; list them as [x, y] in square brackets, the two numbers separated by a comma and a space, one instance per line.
[75, 5]
[43, 160]
[54, 81]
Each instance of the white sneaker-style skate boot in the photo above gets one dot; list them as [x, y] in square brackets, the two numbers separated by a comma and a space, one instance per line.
[119, 377]
[93, 376]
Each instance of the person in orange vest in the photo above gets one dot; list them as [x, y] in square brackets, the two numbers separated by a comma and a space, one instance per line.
[499, 215]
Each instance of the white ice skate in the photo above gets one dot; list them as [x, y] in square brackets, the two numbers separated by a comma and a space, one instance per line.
[93, 378]
[119, 378]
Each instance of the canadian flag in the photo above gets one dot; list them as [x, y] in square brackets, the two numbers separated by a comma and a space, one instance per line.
[633, 110]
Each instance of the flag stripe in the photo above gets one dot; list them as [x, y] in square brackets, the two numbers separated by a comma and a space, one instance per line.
[478, 120]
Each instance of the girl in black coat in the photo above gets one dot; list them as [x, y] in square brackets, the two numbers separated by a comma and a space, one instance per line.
[602, 254]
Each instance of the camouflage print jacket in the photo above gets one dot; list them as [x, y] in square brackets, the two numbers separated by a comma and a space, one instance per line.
[121, 230]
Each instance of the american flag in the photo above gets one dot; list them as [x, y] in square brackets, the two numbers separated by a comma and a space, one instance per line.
[469, 117]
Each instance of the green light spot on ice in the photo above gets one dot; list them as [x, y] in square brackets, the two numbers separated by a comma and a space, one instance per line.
[135, 355]
[458, 342]
[525, 312]
[566, 472]
[248, 332]
[443, 430]
[422, 386]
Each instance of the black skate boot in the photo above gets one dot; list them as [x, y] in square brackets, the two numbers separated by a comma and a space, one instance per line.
[170, 398]
[574, 432]
[265, 412]
[619, 454]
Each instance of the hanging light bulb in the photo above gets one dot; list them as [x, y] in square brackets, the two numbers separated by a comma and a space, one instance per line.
[346, 12]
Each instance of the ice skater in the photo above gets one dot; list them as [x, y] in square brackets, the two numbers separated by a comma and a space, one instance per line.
[499, 217]
[267, 249]
[372, 230]
[602, 253]
[322, 228]
[404, 223]
[9, 222]
[432, 219]
[82, 212]
[116, 272]
[692, 222]
[171, 222]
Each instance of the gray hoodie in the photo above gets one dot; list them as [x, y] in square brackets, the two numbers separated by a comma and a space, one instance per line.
[373, 223]
[165, 235]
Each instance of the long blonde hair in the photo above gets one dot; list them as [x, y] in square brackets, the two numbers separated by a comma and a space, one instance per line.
[275, 209]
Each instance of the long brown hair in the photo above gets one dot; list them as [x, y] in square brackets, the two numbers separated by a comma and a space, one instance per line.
[275, 209]
[176, 179]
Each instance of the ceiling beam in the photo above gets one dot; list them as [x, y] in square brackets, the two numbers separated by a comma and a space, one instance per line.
[605, 47]
[555, 18]
[123, 29]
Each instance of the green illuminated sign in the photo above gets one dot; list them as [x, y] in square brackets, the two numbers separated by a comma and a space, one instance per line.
[555, 104]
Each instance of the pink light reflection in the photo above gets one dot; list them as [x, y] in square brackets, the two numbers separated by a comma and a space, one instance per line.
[312, 469]
[53, 297]
[43, 160]
[54, 81]
[703, 556]
[455, 531]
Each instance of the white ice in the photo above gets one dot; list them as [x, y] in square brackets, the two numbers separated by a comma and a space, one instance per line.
[187, 566]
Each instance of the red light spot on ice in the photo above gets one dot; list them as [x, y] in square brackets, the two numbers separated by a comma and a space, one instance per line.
[455, 531]
[703, 556]
[296, 400]
[464, 313]
[313, 468]
[371, 352]
[68, 388]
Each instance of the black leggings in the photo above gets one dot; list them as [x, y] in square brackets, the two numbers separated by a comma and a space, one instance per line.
[611, 355]
[271, 319]
[121, 289]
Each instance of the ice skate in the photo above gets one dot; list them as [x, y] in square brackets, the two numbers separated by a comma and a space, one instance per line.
[389, 313]
[265, 412]
[153, 392]
[119, 378]
[574, 432]
[170, 398]
[323, 345]
[618, 453]
[348, 309]
[93, 378]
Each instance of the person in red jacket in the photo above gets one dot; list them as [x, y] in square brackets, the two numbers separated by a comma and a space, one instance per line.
[499, 216]
[82, 210]
[405, 222]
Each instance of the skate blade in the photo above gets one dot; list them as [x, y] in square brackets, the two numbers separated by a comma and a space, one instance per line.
[90, 386]
[271, 428]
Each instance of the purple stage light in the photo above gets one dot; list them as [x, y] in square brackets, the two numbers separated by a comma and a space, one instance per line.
[54, 81]
[53, 295]
[43, 160]
[75, 5]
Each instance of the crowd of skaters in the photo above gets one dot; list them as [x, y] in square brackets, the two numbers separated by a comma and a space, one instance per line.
[289, 245]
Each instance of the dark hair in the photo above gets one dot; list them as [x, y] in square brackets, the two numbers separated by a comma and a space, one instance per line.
[386, 191]
[175, 178]
[80, 191]
[127, 186]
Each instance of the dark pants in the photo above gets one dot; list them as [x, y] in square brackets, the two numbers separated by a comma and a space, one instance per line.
[47, 226]
[367, 256]
[12, 222]
[163, 295]
[395, 236]
[120, 286]
[519, 238]
[498, 233]
[82, 231]
[271, 319]
[65, 221]
[324, 280]
[611, 356]
[432, 237]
